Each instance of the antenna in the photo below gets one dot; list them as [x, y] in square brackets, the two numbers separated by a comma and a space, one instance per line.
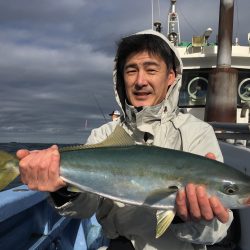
[152, 14]
[86, 124]
[173, 25]
[156, 17]
[100, 108]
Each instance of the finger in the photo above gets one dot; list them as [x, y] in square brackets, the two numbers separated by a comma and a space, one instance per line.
[22, 170]
[54, 166]
[203, 201]
[194, 209]
[24, 166]
[38, 169]
[54, 171]
[219, 211]
[32, 169]
[181, 205]
[21, 153]
[35, 151]
[44, 162]
[211, 156]
[54, 147]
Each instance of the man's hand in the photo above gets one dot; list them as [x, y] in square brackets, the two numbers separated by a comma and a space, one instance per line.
[193, 203]
[40, 169]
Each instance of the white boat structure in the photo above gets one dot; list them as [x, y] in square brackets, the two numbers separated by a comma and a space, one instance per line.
[221, 69]
[199, 57]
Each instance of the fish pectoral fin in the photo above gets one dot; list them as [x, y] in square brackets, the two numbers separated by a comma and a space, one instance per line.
[158, 194]
[74, 189]
[164, 219]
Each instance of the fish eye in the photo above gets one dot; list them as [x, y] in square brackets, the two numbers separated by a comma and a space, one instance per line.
[230, 189]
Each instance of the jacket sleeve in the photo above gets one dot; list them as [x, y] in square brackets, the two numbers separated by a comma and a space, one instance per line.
[82, 205]
[202, 232]
[200, 139]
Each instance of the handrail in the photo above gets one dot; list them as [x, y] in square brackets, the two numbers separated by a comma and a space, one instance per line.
[13, 202]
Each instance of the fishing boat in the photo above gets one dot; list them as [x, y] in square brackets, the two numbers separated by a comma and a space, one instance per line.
[27, 221]
[199, 56]
[214, 72]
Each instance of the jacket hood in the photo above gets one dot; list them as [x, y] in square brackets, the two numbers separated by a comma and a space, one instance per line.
[170, 103]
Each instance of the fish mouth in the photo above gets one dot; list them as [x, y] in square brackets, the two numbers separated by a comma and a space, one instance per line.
[245, 201]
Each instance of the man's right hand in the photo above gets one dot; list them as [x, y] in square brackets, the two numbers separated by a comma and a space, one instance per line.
[40, 169]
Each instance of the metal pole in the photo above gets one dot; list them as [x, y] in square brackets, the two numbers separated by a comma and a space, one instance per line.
[221, 103]
[225, 33]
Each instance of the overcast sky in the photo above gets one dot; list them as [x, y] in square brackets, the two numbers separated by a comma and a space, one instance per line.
[56, 59]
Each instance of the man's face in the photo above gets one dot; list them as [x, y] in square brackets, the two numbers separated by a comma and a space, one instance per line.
[115, 117]
[146, 79]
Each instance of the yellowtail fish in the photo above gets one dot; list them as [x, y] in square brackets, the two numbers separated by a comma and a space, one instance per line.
[141, 175]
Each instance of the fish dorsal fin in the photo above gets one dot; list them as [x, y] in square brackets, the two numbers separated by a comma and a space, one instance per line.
[164, 219]
[119, 137]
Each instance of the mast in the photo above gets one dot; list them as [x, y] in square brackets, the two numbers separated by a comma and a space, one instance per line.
[173, 24]
[156, 22]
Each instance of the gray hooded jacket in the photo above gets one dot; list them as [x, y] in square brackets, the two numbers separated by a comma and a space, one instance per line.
[166, 127]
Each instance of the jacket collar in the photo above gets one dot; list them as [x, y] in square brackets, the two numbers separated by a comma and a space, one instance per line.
[147, 118]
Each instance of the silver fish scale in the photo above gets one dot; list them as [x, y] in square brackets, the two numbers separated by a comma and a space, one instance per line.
[144, 175]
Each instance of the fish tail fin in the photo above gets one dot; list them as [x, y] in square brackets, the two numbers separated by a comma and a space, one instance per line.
[164, 219]
[8, 169]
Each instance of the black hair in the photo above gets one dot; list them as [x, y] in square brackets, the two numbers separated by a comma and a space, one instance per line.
[152, 44]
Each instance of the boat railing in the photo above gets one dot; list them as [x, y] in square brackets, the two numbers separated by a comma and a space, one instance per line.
[28, 221]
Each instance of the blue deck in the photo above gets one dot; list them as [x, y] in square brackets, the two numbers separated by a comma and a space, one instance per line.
[28, 221]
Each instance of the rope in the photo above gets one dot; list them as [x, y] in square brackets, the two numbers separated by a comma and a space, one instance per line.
[193, 29]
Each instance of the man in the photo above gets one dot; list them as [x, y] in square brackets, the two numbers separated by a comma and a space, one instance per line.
[115, 115]
[147, 80]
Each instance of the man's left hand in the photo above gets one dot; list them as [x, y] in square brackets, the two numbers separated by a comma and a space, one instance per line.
[193, 203]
